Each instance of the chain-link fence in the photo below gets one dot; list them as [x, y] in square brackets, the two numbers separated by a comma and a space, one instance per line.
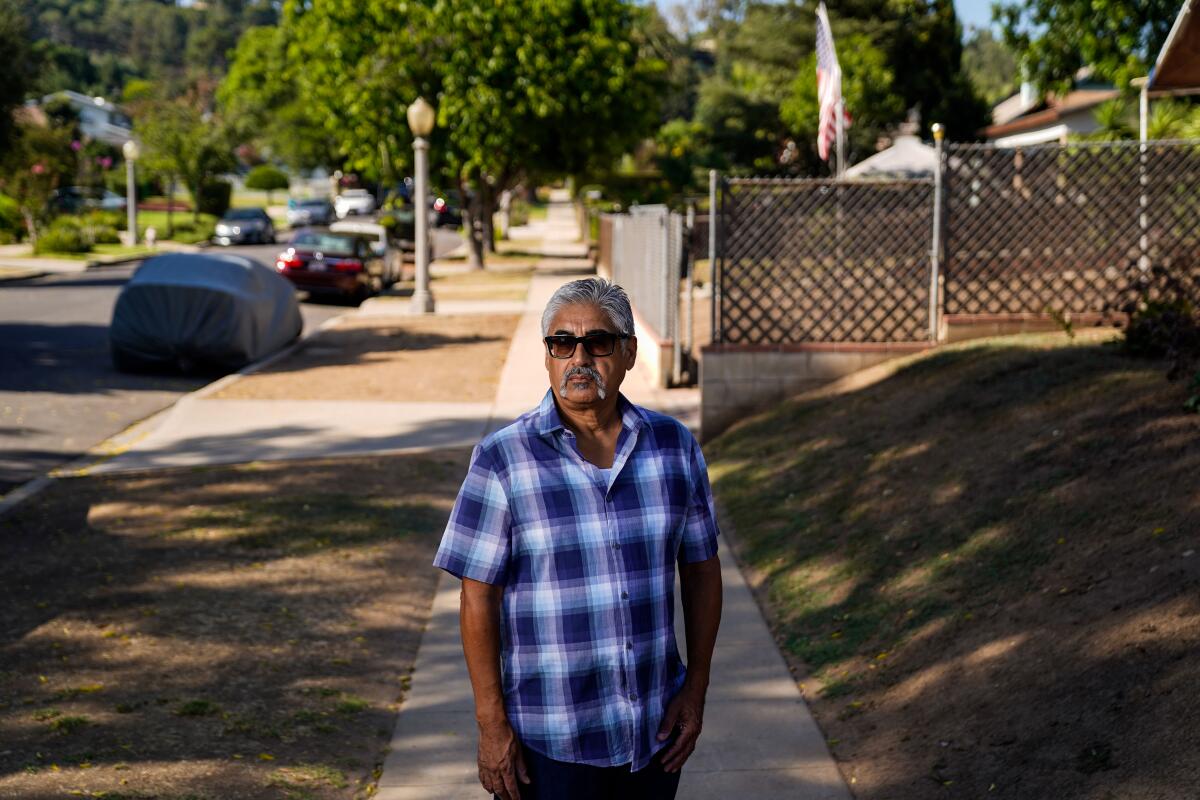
[1081, 229]
[819, 260]
[645, 249]
[647, 245]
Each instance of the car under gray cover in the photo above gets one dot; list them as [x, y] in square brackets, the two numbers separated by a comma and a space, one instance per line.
[202, 313]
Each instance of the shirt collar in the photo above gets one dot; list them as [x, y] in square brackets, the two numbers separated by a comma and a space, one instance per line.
[547, 420]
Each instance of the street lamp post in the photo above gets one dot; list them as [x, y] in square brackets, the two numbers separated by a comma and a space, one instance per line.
[131, 151]
[420, 120]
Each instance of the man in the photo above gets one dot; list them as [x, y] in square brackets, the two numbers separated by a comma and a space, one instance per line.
[566, 534]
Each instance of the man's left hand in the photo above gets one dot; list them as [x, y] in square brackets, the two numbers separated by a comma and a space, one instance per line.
[686, 715]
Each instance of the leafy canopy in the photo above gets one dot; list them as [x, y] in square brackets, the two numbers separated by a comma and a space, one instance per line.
[1053, 39]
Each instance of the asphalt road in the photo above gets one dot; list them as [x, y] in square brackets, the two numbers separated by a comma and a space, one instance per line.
[59, 395]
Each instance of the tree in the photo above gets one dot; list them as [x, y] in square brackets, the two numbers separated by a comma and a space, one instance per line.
[548, 88]
[867, 87]
[184, 142]
[17, 76]
[38, 161]
[990, 66]
[267, 178]
[262, 103]
[1053, 39]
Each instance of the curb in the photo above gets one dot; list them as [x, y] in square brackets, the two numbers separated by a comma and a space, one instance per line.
[19, 276]
[122, 441]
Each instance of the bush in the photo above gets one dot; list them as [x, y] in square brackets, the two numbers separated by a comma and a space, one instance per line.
[214, 197]
[147, 185]
[12, 226]
[1168, 327]
[267, 178]
[63, 236]
[103, 234]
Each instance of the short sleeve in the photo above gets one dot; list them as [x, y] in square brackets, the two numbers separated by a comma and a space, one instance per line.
[699, 542]
[475, 543]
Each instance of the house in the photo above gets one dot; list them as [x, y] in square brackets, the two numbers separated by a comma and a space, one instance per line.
[99, 119]
[1177, 69]
[1026, 118]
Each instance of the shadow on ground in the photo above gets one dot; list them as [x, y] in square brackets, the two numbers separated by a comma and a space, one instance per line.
[225, 632]
[988, 563]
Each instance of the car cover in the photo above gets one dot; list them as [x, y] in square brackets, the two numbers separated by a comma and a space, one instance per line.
[202, 313]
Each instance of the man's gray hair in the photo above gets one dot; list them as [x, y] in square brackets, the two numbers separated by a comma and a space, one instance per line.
[610, 298]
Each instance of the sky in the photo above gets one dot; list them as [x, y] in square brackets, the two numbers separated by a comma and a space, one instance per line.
[977, 13]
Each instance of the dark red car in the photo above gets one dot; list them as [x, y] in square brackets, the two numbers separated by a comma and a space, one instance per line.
[342, 264]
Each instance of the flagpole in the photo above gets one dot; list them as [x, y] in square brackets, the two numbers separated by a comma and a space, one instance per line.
[840, 113]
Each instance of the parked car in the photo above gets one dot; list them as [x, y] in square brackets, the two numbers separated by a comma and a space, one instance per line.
[385, 239]
[353, 201]
[201, 313]
[348, 265]
[309, 212]
[244, 225]
[447, 213]
[73, 199]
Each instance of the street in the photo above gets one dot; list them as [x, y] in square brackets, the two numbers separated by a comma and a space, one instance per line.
[59, 394]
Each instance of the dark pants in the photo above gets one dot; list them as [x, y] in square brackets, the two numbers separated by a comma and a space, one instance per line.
[557, 780]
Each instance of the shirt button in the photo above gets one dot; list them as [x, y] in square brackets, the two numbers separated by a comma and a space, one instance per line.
[633, 696]
[629, 645]
[616, 545]
[624, 595]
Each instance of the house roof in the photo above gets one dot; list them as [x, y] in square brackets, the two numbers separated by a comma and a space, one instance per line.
[1178, 64]
[1056, 108]
[909, 157]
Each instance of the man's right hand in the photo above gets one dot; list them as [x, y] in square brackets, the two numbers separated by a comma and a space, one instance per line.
[501, 764]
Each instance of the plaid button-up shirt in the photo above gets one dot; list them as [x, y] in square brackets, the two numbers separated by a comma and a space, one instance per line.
[587, 561]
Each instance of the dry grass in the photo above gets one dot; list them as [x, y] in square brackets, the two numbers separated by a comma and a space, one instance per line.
[242, 632]
[401, 359]
[987, 563]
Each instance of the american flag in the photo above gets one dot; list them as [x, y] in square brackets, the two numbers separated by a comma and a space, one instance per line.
[829, 85]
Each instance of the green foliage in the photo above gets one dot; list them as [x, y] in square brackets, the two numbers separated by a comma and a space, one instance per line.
[213, 197]
[39, 160]
[267, 177]
[96, 46]
[183, 141]
[679, 153]
[19, 63]
[11, 227]
[1053, 39]
[867, 85]
[262, 101]
[990, 66]
[1173, 119]
[65, 235]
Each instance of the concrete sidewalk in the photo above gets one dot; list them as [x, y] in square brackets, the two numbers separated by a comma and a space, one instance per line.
[759, 739]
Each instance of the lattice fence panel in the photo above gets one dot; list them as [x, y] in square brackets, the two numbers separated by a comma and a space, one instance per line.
[1081, 228]
[820, 261]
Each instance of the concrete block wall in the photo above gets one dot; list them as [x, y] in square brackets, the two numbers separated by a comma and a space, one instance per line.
[655, 353]
[961, 327]
[737, 380]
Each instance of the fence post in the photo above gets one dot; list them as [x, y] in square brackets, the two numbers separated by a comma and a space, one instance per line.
[1143, 182]
[713, 278]
[935, 251]
[688, 300]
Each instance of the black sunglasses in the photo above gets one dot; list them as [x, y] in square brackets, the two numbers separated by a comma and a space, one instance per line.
[597, 345]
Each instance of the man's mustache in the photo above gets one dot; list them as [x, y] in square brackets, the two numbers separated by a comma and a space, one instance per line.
[590, 372]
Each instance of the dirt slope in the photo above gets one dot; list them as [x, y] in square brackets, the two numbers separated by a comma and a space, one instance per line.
[985, 569]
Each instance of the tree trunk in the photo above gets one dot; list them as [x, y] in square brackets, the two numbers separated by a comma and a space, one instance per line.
[171, 208]
[472, 226]
[488, 218]
[30, 227]
[505, 213]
